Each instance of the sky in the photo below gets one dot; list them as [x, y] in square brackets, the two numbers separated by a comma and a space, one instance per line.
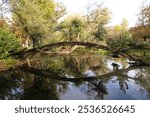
[120, 9]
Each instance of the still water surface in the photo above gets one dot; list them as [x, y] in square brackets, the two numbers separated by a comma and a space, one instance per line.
[84, 77]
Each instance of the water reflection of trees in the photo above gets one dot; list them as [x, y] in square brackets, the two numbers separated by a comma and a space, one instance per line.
[97, 89]
[48, 78]
[142, 77]
[122, 78]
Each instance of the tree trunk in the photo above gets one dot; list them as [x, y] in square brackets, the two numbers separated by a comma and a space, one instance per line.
[34, 51]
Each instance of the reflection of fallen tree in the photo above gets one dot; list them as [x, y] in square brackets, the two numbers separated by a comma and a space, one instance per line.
[55, 76]
[43, 49]
[96, 85]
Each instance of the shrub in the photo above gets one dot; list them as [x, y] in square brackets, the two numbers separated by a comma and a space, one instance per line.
[8, 43]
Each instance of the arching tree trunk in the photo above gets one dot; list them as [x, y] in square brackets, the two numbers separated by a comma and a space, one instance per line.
[34, 51]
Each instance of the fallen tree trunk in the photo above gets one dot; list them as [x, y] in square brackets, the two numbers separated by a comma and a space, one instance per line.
[42, 49]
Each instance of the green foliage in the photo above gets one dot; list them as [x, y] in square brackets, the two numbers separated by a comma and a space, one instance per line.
[72, 28]
[10, 61]
[90, 28]
[8, 43]
[119, 36]
[100, 33]
[97, 19]
[121, 41]
[76, 25]
[102, 52]
[35, 19]
[32, 18]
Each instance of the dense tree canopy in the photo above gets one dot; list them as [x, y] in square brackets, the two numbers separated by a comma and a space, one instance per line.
[40, 22]
[72, 28]
[35, 20]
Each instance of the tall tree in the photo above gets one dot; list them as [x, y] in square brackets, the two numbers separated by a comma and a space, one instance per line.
[144, 14]
[35, 19]
[142, 29]
[97, 19]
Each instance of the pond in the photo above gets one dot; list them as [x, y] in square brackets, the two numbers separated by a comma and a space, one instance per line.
[75, 77]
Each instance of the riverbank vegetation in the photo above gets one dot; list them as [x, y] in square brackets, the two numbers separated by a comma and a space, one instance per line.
[31, 24]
